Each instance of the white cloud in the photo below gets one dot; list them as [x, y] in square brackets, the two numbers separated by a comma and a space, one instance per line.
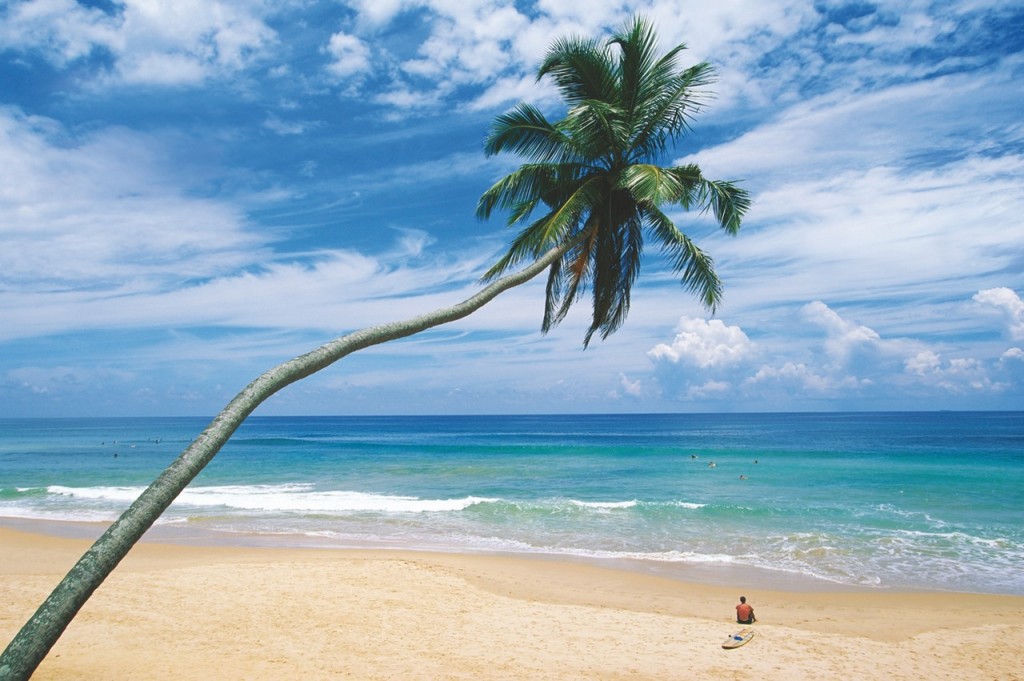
[957, 375]
[814, 133]
[408, 98]
[713, 390]
[845, 338]
[1009, 302]
[510, 89]
[281, 127]
[1012, 355]
[379, 12]
[468, 46]
[127, 244]
[489, 41]
[802, 377]
[163, 69]
[162, 43]
[923, 363]
[120, 218]
[844, 360]
[208, 38]
[350, 55]
[444, 169]
[705, 344]
[878, 233]
[63, 30]
[631, 388]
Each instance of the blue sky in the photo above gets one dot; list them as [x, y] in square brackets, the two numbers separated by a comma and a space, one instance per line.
[194, 191]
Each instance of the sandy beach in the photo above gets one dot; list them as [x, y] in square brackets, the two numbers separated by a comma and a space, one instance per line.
[191, 612]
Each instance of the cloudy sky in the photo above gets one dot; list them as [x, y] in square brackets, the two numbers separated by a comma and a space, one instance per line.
[194, 191]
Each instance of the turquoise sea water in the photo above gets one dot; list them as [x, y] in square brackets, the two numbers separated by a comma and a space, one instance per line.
[886, 500]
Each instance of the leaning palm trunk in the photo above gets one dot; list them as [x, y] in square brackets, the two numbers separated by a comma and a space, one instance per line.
[33, 642]
[595, 175]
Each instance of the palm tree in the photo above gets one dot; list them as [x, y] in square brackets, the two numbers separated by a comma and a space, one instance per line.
[593, 173]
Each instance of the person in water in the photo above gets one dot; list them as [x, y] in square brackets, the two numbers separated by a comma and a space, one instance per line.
[744, 612]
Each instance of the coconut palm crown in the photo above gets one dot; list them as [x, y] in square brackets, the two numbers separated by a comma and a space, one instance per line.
[595, 174]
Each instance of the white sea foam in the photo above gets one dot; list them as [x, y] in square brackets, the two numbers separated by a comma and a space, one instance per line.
[128, 494]
[297, 498]
[955, 559]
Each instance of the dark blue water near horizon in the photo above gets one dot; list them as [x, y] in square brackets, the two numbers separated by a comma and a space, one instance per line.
[919, 500]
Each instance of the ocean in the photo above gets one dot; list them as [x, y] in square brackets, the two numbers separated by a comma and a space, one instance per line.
[910, 501]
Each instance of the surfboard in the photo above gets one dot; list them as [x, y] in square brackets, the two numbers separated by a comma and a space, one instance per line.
[739, 638]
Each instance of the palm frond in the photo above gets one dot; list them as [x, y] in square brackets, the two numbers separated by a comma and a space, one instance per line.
[728, 202]
[669, 108]
[696, 268]
[691, 178]
[526, 131]
[652, 184]
[523, 188]
[558, 225]
[581, 69]
[552, 296]
[616, 265]
[598, 129]
[725, 200]
[637, 45]
[573, 273]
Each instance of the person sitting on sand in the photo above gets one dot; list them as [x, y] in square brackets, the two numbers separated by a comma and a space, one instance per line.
[745, 612]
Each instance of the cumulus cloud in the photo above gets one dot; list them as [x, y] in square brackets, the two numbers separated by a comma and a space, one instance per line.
[378, 12]
[704, 344]
[957, 375]
[711, 390]
[350, 56]
[841, 360]
[844, 338]
[923, 363]
[630, 388]
[855, 354]
[702, 361]
[1006, 300]
[1012, 355]
[802, 377]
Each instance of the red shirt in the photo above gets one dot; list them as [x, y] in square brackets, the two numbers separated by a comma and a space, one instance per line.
[743, 612]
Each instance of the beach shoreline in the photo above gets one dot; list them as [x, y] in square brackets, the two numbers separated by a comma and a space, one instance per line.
[184, 611]
[904, 502]
[709, 573]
